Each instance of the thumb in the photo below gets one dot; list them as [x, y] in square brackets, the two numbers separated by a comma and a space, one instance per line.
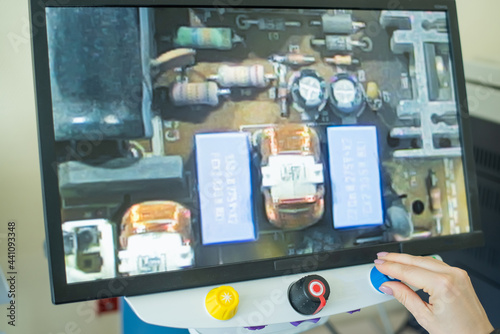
[407, 297]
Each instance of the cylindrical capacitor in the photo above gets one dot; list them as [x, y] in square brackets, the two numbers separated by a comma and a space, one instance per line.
[242, 76]
[204, 38]
[373, 96]
[309, 90]
[341, 23]
[334, 43]
[372, 91]
[188, 94]
[337, 24]
[338, 43]
[345, 60]
[346, 95]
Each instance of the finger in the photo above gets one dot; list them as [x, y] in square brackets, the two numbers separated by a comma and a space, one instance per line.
[418, 277]
[409, 299]
[417, 261]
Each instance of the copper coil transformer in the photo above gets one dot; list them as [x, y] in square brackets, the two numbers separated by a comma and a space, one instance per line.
[188, 94]
[242, 76]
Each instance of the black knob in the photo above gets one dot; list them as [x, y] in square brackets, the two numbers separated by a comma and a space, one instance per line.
[309, 294]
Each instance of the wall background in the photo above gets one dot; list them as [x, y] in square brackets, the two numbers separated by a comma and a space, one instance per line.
[479, 28]
[20, 193]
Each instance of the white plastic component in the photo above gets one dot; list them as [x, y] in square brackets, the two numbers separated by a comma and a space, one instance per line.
[286, 328]
[155, 252]
[262, 302]
[106, 249]
[292, 176]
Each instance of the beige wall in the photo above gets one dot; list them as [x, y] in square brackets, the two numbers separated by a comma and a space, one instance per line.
[20, 194]
[480, 29]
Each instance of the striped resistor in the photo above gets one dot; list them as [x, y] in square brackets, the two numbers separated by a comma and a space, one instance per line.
[241, 76]
[342, 60]
[204, 38]
[188, 94]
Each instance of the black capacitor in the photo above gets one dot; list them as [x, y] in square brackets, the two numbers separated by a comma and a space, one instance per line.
[347, 95]
[309, 90]
[309, 294]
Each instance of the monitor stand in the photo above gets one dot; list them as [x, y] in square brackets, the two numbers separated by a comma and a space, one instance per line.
[264, 304]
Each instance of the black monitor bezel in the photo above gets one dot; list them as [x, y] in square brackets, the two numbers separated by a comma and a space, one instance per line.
[161, 282]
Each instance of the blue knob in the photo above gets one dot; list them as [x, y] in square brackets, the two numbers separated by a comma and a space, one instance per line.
[377, 279]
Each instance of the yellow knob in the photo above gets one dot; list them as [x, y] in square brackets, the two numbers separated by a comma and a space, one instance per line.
[222, 302]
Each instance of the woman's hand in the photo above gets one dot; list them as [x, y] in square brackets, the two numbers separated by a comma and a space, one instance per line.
[453, 305]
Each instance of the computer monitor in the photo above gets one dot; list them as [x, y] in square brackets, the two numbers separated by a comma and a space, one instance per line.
[191, 143]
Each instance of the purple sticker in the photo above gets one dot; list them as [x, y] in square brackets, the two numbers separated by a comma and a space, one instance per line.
[296, 323]
[255, 328]
[354, 311]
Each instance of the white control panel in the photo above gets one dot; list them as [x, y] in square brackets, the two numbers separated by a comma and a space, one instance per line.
[261, 302]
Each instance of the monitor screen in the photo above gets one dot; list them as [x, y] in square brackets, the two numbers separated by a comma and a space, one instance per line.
[186, 146]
